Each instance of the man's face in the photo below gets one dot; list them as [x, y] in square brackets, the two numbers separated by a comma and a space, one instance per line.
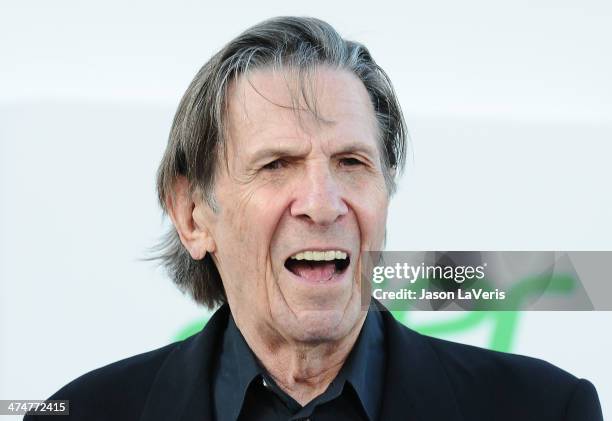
[297, 188]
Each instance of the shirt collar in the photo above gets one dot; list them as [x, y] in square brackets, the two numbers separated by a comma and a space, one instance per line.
[236, 369]
[364, 369]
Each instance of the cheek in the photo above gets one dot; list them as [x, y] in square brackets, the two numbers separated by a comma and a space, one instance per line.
[248, 224]
[371, 212]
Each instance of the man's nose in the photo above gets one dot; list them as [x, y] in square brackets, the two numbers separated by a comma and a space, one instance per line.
[319, 197]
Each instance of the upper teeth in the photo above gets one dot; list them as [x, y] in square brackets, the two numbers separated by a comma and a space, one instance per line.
[319, 255]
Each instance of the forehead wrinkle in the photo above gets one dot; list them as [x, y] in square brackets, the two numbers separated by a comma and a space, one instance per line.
[356, 109]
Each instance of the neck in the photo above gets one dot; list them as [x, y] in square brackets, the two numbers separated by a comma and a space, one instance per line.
[303, 370]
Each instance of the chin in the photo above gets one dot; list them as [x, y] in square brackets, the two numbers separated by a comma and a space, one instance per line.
[322, 325]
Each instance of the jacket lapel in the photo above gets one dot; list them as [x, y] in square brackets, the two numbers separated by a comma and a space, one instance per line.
[181, 390]
[416, 386]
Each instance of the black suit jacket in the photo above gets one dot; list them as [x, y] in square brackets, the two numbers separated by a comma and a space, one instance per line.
[426, 379]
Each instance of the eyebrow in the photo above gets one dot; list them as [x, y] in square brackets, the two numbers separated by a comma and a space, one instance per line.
[274, 152]
[357, 147]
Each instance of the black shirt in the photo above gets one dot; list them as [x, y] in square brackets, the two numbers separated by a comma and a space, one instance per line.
[243, 389]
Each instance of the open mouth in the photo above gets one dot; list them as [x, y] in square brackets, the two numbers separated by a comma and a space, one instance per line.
[318, 266]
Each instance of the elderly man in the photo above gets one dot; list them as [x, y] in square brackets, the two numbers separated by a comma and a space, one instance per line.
[277, 175]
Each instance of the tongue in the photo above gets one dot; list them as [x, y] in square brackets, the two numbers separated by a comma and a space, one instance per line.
[314, 272]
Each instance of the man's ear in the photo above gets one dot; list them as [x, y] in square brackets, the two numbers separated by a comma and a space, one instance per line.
[191, 220]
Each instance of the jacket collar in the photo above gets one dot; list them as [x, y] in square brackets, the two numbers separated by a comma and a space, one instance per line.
[181, 389]
[416, 386]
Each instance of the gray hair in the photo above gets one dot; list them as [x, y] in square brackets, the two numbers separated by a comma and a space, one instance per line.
[197, 133]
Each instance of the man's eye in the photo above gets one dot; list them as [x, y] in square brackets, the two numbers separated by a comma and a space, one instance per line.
[350, 162]
[277, 164]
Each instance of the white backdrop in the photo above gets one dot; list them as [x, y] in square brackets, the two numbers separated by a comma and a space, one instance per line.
[509, 108]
